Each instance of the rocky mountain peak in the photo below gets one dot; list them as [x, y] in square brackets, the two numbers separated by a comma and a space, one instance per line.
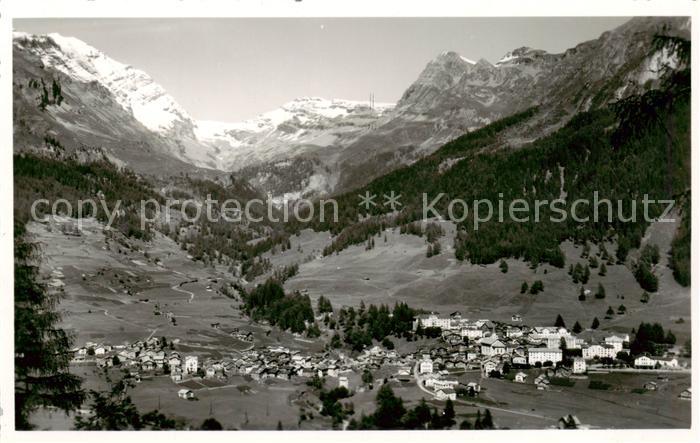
[133, 89]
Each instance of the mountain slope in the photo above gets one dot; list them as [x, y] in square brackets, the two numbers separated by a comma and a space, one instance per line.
[124, 111]
[100, 104]
[453, 96]
[311, 146]
[308, 123]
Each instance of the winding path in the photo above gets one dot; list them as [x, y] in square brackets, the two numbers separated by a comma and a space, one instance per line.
[178, 288]
[476, 405]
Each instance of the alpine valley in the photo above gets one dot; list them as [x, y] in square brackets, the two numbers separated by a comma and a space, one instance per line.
[383, 318]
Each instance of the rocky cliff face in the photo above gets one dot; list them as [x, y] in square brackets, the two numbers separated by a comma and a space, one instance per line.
[454, 95]
[303, 126]
[312, 146]
[105, 104]
[124, 111]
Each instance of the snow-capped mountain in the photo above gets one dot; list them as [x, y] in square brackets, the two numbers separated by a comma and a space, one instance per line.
[133, 89]
[312, 146]
[79, 66]
[301, 126]
[296, 128]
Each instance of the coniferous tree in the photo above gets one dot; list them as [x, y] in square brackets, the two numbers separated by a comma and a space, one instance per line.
[212, 424]
[670, 338]
[487, 422]
[390, 409]
[537, 287]
[464, 425]
[645, 297]
[477, 421]
[111, 410]
[449, 414]
[600, 293]
[577, 328]
[595, 323]
[42, 349]
[593, 261]
[559, 323]
[586, 274]
[603, 270]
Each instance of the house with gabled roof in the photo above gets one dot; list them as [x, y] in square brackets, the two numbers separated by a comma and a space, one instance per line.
[492, 346]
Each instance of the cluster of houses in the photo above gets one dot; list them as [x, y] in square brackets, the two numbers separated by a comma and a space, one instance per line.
[438, 380]
[493, 345]
[496, 348]
[482, 345]
[276, 362]
[141, 356]
[279, 362]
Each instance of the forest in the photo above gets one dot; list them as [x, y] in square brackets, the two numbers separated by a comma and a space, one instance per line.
[635, 147]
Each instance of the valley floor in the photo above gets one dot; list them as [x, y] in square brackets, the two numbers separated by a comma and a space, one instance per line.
[116, 293]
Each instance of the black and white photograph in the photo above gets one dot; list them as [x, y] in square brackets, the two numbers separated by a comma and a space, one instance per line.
[302, 221]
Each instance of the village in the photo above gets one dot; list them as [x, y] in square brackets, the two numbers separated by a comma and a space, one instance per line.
[539, 356]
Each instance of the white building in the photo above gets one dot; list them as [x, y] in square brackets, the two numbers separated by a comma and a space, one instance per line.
[644, 361]
[437, 383]
[514, 332]
[487, 367]
[520, 377]
[185, 393]
[191, 364]
[425, 366]
[542, 355]
[343, 383]
[432, 321]
[174, 362]
[579, 365]
[472, 332]
[544, 333]
[445, 394]
[667, 362]
[571, 342]
[617, 341]
[600, 351]
[492, 346]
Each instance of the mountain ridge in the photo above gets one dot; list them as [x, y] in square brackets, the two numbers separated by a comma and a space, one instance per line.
[313, 146]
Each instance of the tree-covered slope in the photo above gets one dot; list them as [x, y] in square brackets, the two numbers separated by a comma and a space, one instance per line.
[639, 146]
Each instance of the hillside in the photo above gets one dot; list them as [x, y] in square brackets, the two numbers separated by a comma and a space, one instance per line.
[313, 146]
[640, 146]
[454, 95]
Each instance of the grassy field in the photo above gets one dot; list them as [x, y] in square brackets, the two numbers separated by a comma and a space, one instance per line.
[397, 270]
[522, 406]
[99, 272]
[112, 293]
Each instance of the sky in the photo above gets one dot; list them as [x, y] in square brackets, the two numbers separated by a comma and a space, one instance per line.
[231, 69]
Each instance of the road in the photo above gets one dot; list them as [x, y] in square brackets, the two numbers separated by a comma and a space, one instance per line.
[178, 288]
[477, 405]
[419, 383]
[509, 411]
[641, 371]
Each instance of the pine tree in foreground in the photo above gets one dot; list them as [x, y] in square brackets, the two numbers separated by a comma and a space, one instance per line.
[42, 350]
